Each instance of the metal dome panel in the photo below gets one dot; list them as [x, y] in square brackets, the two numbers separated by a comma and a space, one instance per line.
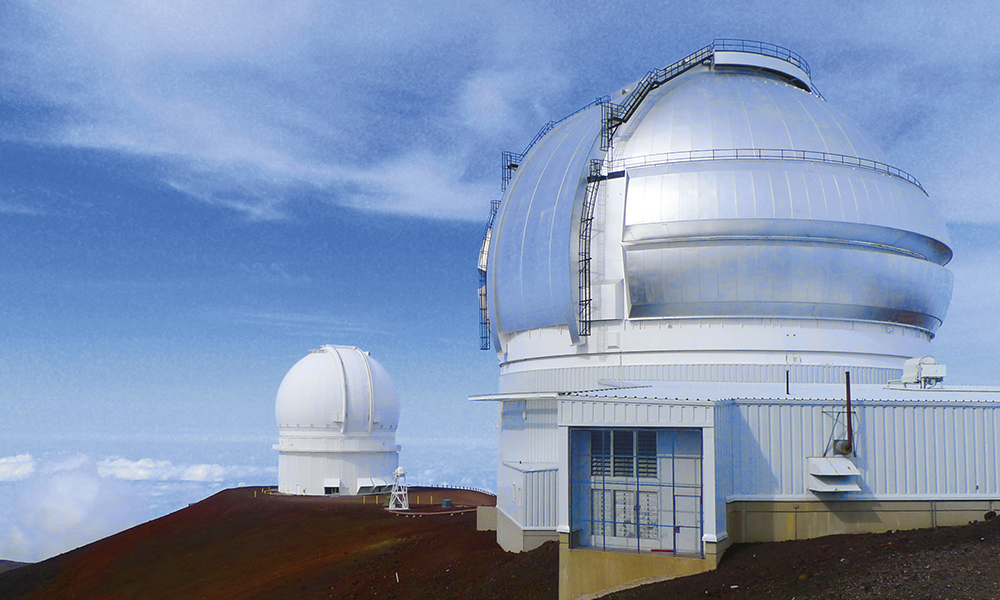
[782, 280]
[338, 388]
[740, 108]
[731, 190]
[533, 259]
[777, 189]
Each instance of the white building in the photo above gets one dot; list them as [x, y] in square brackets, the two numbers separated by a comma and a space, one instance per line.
[337, 413]
[677, 281]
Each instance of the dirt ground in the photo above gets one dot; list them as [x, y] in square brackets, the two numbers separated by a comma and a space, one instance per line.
[247, 544]
[961, 563]
[244, 543]
[7, 565]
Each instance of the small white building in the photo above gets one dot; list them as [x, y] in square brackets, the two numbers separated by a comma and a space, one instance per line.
[337, 413]
[679, 282]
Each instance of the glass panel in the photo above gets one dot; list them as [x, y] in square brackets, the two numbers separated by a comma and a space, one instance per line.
[600, 513]
[648, 509]
[625, 513]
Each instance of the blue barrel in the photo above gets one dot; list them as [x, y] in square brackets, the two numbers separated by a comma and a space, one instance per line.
[446, 503]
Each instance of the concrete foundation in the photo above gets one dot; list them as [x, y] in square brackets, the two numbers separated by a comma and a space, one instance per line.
[486, 518]
[756, 521]
[587, 573]
[514, 539]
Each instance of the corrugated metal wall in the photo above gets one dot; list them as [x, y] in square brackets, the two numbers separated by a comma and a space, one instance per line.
[635, 413]
[587, 378]
[904, 450]
[528, 496]
[724, 461]
[528, 431]
[529, 451]
[540, 498]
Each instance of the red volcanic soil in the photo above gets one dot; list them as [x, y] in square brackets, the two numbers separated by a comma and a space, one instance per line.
[961, 563]
[244, 543]
[7, 565]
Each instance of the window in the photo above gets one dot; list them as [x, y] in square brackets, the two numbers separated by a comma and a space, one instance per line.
[636, 489]
[645, 454]
[623, 452]
[630, 452]
[600, 453]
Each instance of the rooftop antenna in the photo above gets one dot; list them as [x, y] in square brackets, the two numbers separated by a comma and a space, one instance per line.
[400, 499]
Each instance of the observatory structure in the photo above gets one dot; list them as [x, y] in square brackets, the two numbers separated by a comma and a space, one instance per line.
[337, 413]
[712, 297]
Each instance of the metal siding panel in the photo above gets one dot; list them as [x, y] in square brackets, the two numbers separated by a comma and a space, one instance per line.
[910, 450]
[889, 472]
[882, 455]
[951, 458]
[970, 465]
[783, 415]
[930, 454]
[977, 460]
[990, 422]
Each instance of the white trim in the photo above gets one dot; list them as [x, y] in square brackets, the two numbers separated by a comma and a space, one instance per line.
[855, 498]
[518, 525]
[530, 467]
[512, 397]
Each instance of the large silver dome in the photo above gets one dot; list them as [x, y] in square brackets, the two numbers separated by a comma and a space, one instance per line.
[729, 190]
[771, 237]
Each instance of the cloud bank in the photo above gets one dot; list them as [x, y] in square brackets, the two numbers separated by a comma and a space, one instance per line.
[62, 502]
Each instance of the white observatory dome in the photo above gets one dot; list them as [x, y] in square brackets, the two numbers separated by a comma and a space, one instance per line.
[337, 412]
[339, 388]
[718, 212]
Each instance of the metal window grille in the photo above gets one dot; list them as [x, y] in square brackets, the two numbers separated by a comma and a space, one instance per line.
[623, 457]
[646, 454]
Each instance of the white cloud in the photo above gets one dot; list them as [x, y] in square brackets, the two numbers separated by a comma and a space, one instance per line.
[141, 31]
[303, 323]
[146, 469]
[16, 468]
[249, 106]
[495, 102]
[271, 273]
[15, 208]
[62, 506]
[421, 184]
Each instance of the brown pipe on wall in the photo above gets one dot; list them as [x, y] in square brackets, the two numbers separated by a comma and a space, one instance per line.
[850, 424]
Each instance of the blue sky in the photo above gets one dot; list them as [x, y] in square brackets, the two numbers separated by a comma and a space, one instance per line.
[194, 194]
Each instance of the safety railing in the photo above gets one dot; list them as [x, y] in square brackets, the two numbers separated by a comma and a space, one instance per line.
[651, 160]
[584, 310]
[484, 313]
[614, 114]
[511, 160]
[762, 48]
